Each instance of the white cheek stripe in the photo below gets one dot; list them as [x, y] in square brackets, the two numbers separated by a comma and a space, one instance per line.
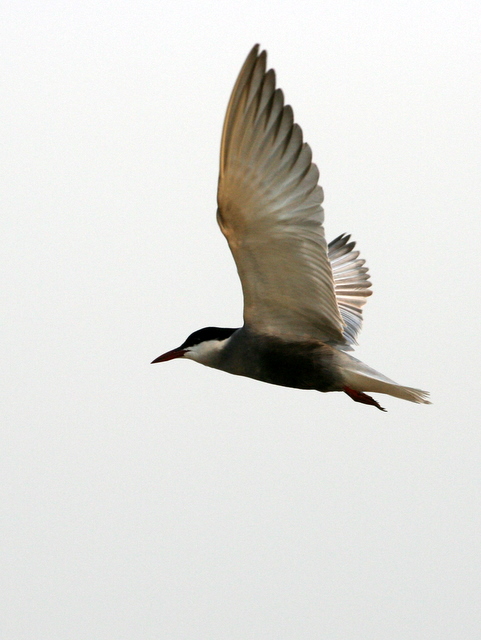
[205, 352]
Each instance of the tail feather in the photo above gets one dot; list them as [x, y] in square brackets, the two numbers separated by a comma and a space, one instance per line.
[360, 377]
[361, 382]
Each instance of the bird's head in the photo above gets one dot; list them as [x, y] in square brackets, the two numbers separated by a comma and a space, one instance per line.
[202, 346]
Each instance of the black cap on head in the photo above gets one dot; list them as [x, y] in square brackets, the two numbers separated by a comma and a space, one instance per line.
[208, 333]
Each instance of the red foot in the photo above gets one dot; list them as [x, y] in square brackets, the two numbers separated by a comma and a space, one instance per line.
[359, 396]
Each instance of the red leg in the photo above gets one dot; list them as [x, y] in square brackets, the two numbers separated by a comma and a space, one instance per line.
[359, 396]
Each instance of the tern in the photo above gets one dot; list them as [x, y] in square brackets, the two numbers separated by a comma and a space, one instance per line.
[303, 298]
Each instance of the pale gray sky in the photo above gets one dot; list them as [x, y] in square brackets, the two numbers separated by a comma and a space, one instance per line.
[178, 502]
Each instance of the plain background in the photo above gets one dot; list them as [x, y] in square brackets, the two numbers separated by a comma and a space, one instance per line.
[178, 502]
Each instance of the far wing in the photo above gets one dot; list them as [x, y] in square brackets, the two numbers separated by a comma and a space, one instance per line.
[270, 212]
[352, 284]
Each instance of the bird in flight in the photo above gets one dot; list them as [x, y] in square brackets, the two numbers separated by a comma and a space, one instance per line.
[303, 298]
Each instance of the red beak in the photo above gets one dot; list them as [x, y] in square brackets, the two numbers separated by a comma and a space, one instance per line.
[170, 355]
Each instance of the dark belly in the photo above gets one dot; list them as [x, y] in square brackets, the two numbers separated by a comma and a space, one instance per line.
[299, 364]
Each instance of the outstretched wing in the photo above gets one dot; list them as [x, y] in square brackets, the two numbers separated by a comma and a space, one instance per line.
[270, 212]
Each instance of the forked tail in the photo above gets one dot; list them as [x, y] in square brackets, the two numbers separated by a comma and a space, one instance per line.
[358, 377]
